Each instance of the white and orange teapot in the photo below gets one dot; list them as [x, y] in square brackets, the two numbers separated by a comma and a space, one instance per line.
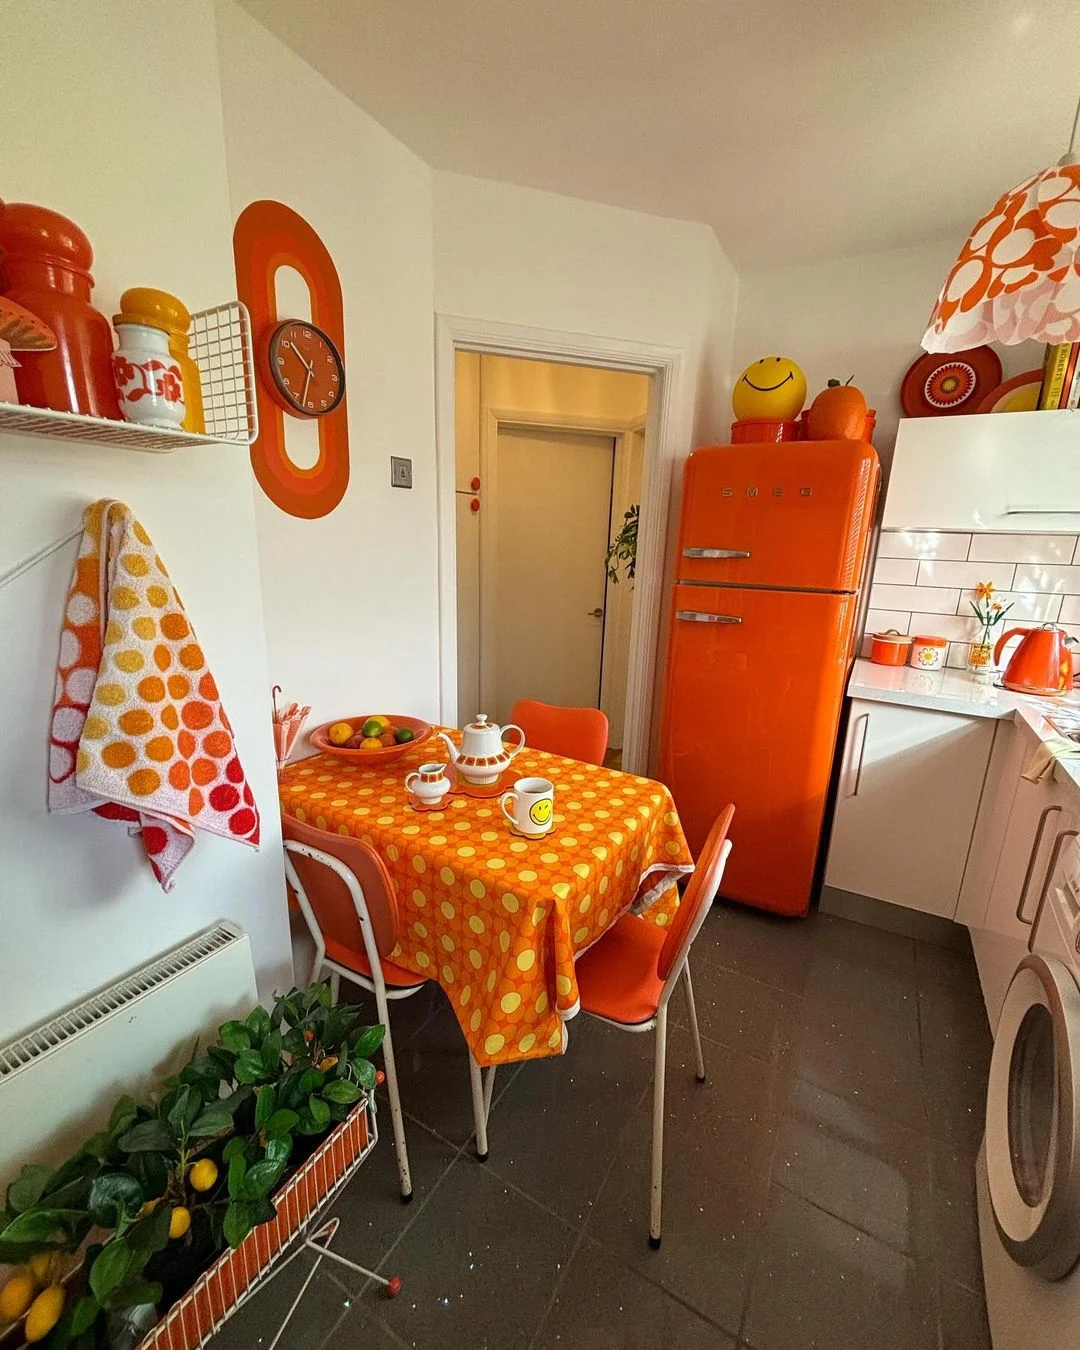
[483, 756]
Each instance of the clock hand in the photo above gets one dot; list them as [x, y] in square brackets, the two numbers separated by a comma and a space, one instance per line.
[303, 396]
[310, 369]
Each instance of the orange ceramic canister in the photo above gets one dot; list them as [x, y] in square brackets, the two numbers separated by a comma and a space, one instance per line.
[46, 268]
[890, 648]
[159, 309]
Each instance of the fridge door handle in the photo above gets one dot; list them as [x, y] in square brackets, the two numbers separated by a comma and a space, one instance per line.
[700, 616]
[855, 768]
[716, 553]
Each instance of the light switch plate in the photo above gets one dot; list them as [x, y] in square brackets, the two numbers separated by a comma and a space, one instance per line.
[400, 472]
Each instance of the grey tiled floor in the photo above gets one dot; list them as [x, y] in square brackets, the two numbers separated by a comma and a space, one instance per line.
[818, 1188]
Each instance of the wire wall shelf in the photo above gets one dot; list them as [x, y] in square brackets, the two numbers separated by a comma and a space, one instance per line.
[221, 346]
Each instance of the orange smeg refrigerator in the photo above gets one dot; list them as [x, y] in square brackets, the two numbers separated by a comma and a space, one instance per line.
[771, 554]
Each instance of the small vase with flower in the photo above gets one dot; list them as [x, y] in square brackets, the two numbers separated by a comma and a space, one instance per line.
[990, 613]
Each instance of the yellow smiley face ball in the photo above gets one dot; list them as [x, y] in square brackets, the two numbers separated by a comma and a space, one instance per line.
[772, 389]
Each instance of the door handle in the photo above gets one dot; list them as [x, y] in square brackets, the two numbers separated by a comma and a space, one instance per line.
[1040, 831]
[597, 613]
[715, 553]
[699, 616]
[863, 718]
[1062, 836]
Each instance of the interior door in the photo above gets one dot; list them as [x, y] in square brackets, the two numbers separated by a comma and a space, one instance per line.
[1032, 1120]
[545, 535]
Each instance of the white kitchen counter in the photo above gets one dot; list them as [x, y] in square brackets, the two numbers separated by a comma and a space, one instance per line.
[956, 691]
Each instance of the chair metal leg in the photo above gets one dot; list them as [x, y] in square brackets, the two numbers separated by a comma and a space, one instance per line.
[335, 984]
[659, 1071]
[396, 1118]
[479, 1112]
[489, 1087]
[691, 1006]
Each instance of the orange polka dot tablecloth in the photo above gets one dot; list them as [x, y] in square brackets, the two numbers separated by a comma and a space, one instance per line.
[138, 732]
[496, 919]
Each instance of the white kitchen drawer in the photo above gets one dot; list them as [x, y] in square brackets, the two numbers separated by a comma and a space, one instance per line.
[910, 785]
[990, 471]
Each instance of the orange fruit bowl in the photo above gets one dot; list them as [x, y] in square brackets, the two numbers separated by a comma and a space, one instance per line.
[385, 754]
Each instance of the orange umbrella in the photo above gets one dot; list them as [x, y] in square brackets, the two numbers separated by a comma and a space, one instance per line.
[1018, 275]
[288, 722]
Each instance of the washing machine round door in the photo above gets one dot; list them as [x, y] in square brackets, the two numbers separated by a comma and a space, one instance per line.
[1033, 1119]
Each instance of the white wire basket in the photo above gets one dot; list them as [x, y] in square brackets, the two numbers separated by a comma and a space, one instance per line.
[221, 347]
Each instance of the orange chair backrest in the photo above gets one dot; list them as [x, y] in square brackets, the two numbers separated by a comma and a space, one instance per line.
[699, 894]
[577, 733]
[328, 895]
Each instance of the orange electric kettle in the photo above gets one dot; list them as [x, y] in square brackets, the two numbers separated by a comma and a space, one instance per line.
[1042, 664]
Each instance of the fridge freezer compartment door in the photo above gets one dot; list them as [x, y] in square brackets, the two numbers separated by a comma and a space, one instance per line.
[793, 514]
[752, 699]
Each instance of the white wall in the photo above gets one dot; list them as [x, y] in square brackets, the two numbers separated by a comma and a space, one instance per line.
[350, 600]
[78, 903]
[862, 315]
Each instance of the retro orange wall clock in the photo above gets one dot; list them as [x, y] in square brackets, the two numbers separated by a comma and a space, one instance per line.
[300, 362]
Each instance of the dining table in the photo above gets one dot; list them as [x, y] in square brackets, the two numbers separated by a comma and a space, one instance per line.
[497, 919]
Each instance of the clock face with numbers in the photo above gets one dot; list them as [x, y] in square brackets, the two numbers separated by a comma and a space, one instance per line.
[307, 375]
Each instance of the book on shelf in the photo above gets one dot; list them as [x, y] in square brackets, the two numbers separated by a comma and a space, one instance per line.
[1061, 376]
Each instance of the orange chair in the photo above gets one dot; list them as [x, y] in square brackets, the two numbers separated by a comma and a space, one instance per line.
[627, 978]
[347, 898]
[577, 733]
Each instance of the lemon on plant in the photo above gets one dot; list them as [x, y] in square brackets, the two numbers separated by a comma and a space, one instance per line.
[179, 1221]
[339, 733]
[44, 1313]
[17, 1295]
[45, 1268]
[203, 1175]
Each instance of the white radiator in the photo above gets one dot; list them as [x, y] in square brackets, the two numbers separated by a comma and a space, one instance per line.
[59, 1081]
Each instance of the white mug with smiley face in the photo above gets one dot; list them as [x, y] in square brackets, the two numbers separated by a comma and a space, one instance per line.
[529, 807]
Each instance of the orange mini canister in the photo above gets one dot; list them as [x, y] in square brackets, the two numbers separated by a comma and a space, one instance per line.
[890, 648]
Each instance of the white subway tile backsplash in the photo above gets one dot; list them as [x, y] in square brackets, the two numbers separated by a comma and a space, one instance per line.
[952, 626]
[1028, 605]
[958, 655]
[933, 572]
[923, 544]
[1070, 609]
[929, 599]
[896, 571]
[881, 620]
[1047, 577]
[1022, 548]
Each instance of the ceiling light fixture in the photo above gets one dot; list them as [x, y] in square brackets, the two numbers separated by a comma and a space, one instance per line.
[1018, 275]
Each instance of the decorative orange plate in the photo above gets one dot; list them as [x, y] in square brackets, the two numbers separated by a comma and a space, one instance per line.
[1020, 394]
[385, 753]
[941, 383]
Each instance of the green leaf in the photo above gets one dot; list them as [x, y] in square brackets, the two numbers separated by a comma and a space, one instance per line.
[14, 1253]
[261, 1178]
[342, 1091]
[123, 1115]
[98, 1145]
[264, 1106]
[151, 1233]
[41, 1225]
[271, 1052]
[185, 1108]
[149, 1136]
[236, 1145]
[319, 1111]
[237, 1172]
[258, 1023]
[278, 1147]
[322, 995]
[136, 1292]
[281, 1122]
[368, 1041]
[222, 1059]
[238, 1223]
[235, 1037]
[262, 1210]
[83, 1314]
[293, 1041]
[311, 1080]
[152, 1170]
[75, 1168]
[114, 1194]
[249, 1067]
[365, 1073]
[111, 1267]
[214, 1120]
[28, 1187]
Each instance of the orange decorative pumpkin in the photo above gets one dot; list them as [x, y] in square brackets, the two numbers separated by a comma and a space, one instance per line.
[838, 414]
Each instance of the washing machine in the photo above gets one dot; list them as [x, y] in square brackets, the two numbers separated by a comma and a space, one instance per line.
[1028, 1171]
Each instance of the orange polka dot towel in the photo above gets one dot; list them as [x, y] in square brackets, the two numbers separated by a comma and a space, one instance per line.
[138, 731]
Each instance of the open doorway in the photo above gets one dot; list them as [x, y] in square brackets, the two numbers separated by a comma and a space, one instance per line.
[548, 474]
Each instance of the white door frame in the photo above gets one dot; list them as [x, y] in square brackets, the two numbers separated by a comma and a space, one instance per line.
[494, 421]
[662, 450]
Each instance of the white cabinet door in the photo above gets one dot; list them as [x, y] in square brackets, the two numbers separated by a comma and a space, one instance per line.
[986, 472]
[908, 797]
[1040, 813]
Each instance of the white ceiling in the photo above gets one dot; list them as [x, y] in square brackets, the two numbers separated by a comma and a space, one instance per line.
[798, 129]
